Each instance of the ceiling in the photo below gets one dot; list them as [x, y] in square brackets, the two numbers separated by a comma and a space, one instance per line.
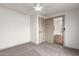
[48, 8]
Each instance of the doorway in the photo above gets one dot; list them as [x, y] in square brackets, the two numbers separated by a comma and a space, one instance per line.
[59, 30]
[51, 30]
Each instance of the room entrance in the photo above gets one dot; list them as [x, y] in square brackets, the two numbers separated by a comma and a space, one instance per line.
[54, 30]
[58, 29]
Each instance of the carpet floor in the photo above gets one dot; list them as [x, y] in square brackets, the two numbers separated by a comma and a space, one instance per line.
[44, 49]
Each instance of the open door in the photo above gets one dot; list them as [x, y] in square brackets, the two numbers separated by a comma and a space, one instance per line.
[41, 30]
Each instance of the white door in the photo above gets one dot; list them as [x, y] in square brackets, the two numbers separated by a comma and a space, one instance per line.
[41, 30]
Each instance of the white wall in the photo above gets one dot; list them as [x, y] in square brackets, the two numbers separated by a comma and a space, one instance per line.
[14, 28]
[33, 28]
[72, 28]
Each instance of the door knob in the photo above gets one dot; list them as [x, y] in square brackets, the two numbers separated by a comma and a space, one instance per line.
[40, 31]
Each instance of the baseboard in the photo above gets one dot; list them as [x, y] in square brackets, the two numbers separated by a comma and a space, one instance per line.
[71, 48]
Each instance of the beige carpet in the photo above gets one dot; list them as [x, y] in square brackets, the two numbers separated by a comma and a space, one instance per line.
[44, 49]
